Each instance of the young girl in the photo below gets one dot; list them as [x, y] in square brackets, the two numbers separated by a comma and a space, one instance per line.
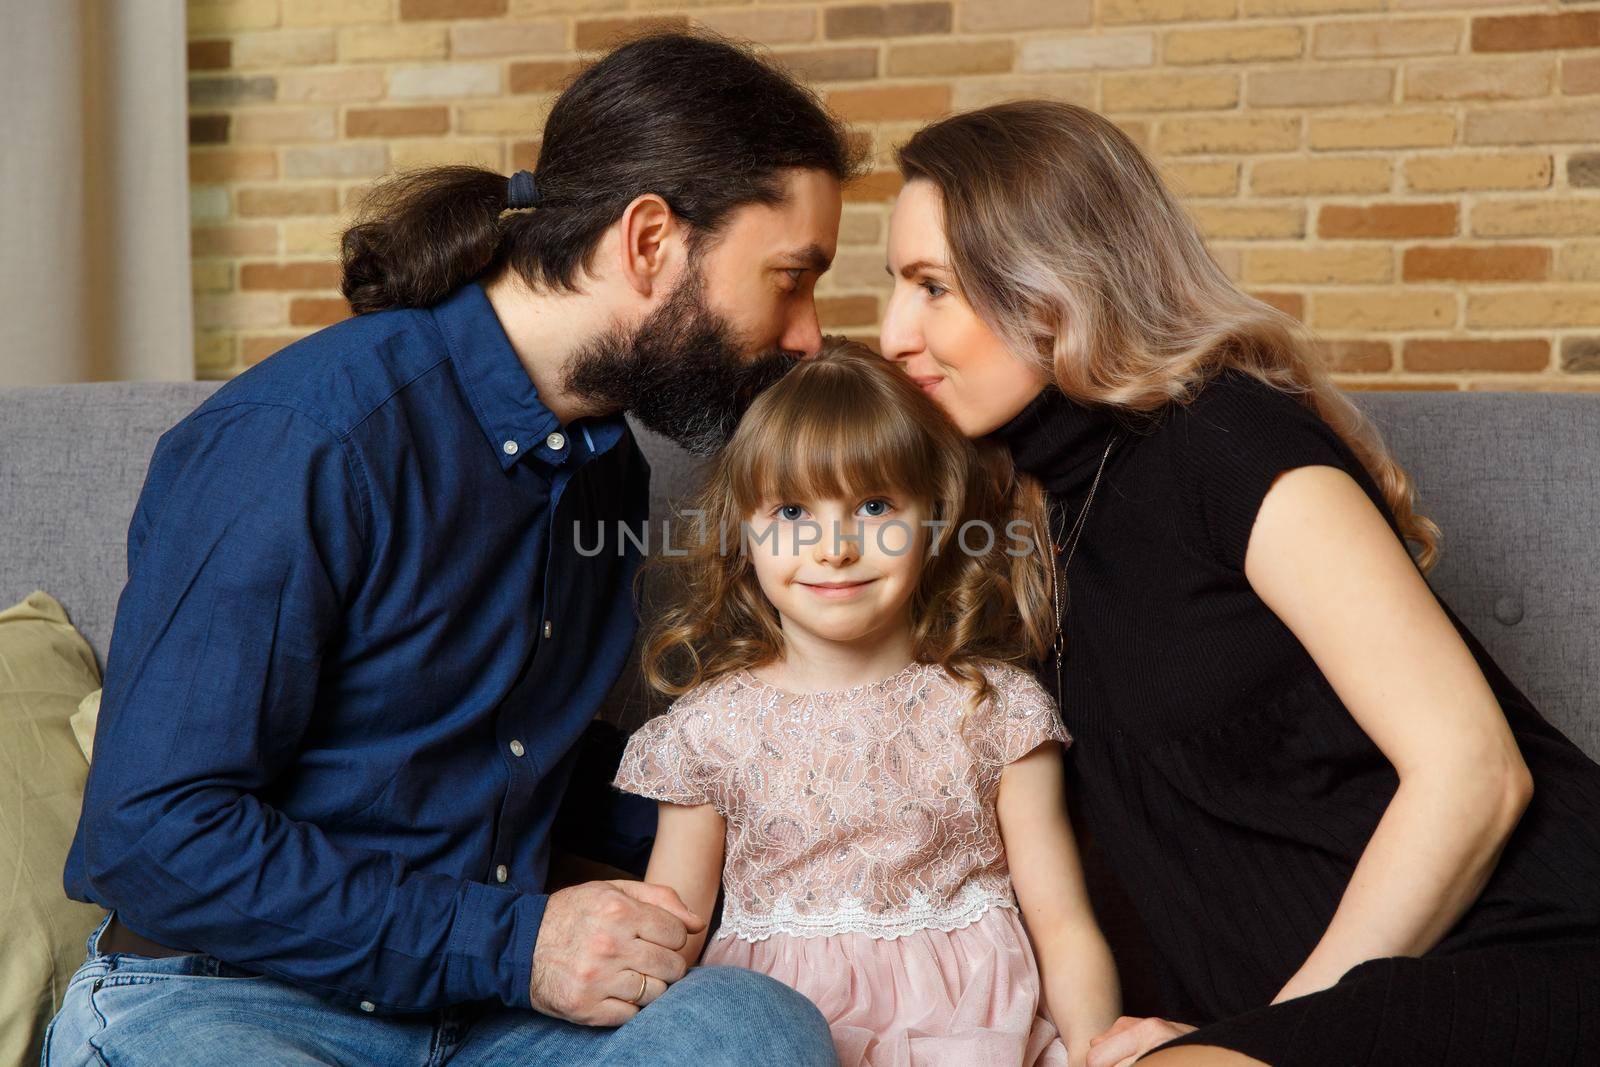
[854, 754]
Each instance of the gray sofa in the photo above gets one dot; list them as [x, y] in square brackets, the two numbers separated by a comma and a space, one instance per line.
[1511, 477]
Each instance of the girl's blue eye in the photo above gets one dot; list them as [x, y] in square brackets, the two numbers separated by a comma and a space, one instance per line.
[784, 509]
[934, 290]
[884, 505]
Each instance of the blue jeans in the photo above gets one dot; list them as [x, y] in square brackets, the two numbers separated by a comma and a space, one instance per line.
[123, 1009]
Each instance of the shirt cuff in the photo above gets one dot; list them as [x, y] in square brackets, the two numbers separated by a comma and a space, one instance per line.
[496, 935]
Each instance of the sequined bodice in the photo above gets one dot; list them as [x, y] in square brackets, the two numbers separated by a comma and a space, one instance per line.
[866, 810]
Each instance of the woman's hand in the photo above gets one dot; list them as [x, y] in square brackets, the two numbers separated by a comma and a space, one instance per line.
[1129, 1038]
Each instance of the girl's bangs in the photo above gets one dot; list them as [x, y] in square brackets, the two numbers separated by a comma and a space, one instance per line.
[813, 446]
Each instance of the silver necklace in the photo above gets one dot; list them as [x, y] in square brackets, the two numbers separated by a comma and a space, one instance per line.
[1059, 642]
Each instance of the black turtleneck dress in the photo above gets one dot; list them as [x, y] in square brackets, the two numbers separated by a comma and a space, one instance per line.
[1231, 792]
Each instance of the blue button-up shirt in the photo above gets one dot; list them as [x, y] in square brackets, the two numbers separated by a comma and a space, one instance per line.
[358, 643]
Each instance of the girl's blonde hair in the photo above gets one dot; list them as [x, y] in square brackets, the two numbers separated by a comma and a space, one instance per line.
[841, 426]
[1068, 244]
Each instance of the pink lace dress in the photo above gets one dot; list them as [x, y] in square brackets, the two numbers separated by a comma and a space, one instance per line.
[863, 861]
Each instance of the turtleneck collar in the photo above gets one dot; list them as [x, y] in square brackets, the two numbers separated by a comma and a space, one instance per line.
[1057, 440]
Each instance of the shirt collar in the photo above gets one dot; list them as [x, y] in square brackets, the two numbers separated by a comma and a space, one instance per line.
[503, 397]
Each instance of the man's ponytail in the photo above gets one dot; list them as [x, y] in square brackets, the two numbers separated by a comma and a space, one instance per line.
[421, 236]
[706, 124]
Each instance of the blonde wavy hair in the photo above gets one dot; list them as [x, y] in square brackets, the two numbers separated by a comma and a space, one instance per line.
[1071, 248]
[842, 426]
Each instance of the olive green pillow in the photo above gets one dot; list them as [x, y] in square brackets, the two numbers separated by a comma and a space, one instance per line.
[83, 722]
[46, 670]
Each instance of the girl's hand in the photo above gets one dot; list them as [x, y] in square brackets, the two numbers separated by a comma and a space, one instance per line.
[1129, 1038]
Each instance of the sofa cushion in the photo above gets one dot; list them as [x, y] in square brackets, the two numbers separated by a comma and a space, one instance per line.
[46, 669]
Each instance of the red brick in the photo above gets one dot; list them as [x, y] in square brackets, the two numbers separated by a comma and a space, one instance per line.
[901, 102]
[1532, 33]
[233, 240]
[886, 20]
[878, 186]
[1387, 220]
[543, 76]
[1476, 263]
[396, 121]
[1291, 304]
[208, 129]
[210, 55]
[223, 165]
[841, 311]
[1530, 354]
[318, 310]
[452, 9]
[944, 58]
[592, 35]
[310, 274]
[525, 155]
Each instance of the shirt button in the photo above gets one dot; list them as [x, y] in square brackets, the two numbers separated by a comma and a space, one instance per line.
[516, 748]
[549, 627]
[501, 874]
[367, 1005]
[509, 448]
[556, 441]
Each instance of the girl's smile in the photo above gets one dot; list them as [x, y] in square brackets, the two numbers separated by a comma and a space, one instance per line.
[838, 590]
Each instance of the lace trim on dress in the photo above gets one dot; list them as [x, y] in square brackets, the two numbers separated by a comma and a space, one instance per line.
[970, 903]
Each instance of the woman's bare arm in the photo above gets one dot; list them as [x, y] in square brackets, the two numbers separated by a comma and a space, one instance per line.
[1323, 559]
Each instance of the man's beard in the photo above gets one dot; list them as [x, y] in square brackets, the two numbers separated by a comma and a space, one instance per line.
[682, 373]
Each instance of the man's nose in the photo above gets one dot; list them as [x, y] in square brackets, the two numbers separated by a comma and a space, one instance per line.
[803, 338]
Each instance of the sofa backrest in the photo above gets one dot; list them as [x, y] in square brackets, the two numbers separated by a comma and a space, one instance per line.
[1511, 477]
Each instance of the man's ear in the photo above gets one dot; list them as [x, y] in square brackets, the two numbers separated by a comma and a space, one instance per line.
[652, 243]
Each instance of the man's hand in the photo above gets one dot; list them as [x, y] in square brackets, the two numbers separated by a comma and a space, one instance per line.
[596, 942]
[1129, 1038]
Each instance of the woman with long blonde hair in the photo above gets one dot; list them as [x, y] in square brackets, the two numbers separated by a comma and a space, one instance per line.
[1348, 836]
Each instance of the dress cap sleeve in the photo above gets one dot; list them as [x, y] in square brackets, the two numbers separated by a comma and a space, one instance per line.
[1233, 441]
[665, 759]
[1025, 716]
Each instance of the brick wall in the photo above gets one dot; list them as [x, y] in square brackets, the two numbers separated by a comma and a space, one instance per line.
[1416, 179]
